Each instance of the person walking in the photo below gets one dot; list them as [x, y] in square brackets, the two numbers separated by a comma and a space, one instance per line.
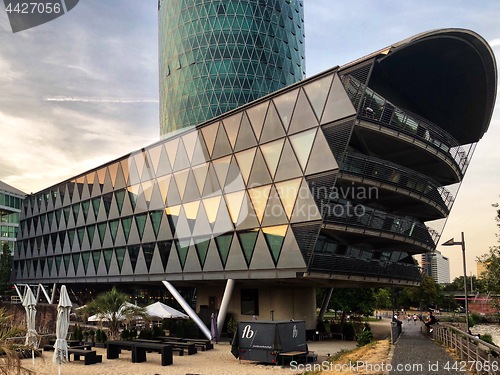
[414, 319]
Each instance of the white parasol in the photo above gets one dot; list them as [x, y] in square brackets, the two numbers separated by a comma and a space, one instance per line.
[62, 325]
[29, 303]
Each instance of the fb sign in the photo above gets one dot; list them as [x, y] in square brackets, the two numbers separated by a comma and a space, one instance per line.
[247, 332]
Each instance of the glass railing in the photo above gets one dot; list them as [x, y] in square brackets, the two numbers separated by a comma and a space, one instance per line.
[346, 212]
[376, 109]
[398, 176]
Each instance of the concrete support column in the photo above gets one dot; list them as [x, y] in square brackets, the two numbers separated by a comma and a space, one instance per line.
[324, 305]
[224, 304]
[188, 309]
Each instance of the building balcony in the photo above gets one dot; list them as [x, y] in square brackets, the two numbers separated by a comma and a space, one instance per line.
[421, 145]
[398, 189]
[349, 266]
[363, 226]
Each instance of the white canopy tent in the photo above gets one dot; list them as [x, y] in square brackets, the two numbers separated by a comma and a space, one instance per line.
[160, 310]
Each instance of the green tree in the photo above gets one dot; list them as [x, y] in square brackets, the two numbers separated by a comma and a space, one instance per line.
[429, 293]
[383, 298]
[5, 269]
[478, 285]
[357, 300]
[491, 260]
[113, 307]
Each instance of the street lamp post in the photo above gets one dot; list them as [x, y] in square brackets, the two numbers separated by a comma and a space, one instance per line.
[452, 242]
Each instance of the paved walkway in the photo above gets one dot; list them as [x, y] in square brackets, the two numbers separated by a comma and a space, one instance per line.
[416, 354]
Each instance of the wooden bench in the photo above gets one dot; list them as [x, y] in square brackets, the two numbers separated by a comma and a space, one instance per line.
[90, 356]
[140, 349]
[291, 356]
[202, 344]
[191, 347]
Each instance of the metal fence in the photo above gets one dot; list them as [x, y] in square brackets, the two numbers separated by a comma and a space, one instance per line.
[475, 355]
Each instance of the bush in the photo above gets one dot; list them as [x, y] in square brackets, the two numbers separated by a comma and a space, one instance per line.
[487, 338]
[128, 335]
[77, 333]
[365, 336]
[146, 334]
[100, 336]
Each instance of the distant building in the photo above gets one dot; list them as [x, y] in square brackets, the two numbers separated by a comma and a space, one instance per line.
[11, 200]
[436, 266]
[218, 55]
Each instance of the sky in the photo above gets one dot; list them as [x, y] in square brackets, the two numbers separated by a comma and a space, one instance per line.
[82, 90]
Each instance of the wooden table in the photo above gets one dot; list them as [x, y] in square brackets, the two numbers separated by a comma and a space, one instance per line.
[114, 348]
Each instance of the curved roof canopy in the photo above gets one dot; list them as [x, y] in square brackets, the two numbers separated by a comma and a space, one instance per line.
[447, 76]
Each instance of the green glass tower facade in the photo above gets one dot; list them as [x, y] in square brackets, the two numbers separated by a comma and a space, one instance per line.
[216, 55]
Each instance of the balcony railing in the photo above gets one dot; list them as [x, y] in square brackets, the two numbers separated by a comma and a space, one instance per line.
[376, 109]
[344, 265]
[397, 176]
[340, 211]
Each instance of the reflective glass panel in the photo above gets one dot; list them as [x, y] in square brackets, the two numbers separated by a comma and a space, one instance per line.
[248, 240]
[288, 191]
[275, 237]
[113, 227]
[245, 161]
[85, 260]
[223, 246]
[272, 152]
[140, 221]
[259, 197]
[101, 228]
[302, 144]
[126, 225]
[148, 252]
[108, 255]
[234, 201]
[96, 257]
[212, 207]
[120, 256]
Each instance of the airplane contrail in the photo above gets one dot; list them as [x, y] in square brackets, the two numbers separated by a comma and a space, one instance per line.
[99, 100]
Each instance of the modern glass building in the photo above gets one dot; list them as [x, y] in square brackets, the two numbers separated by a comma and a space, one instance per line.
[218, 55]
[329, 182]
[11, 201]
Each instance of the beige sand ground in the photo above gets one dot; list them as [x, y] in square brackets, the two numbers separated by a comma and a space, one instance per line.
[218, 361]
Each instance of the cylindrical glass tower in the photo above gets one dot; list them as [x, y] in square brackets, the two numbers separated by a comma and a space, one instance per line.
[216, 55]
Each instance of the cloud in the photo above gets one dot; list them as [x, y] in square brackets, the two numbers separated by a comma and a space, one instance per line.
[494, 42]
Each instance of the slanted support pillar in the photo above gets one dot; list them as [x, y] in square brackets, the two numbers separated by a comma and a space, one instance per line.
[324, 305]
[53, 297]
[188, 309]
[42, 288]
[224, 304]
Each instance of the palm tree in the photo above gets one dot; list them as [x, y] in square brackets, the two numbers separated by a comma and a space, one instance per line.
[114, 307]
[10, 362]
